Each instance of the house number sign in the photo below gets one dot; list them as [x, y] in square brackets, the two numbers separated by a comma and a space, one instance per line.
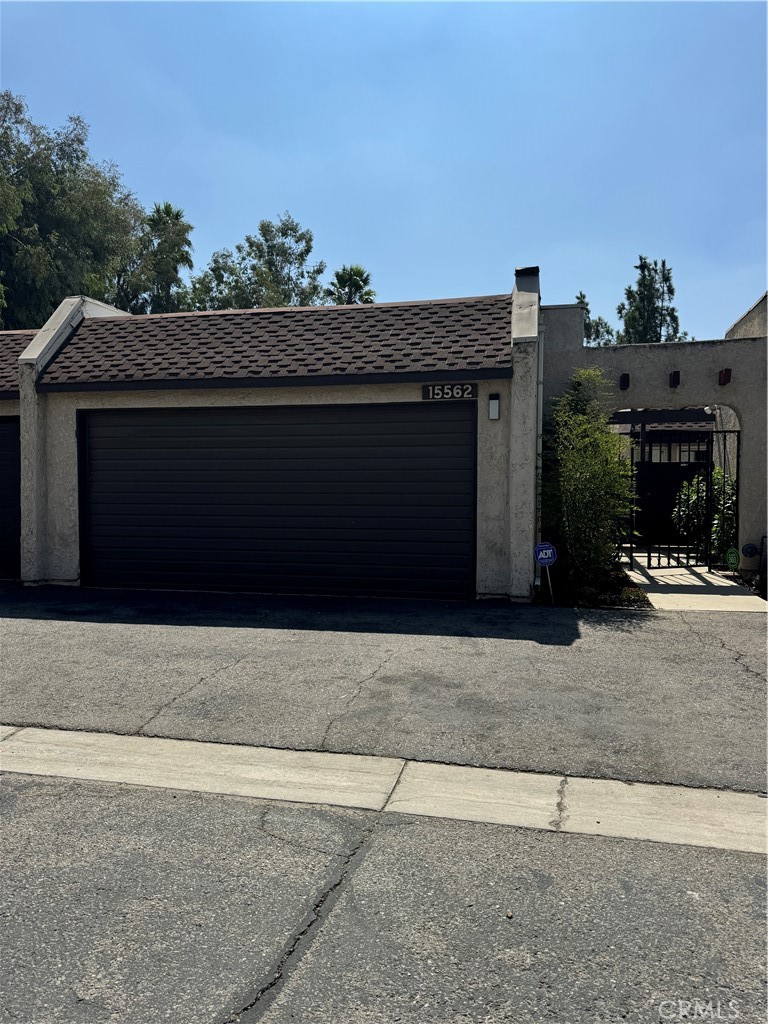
[447, 392]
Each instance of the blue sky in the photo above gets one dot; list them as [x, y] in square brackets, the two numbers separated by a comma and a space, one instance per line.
[440, 145]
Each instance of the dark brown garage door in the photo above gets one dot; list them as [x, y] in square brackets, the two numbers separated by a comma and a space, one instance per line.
[10, 498]
[355, 499]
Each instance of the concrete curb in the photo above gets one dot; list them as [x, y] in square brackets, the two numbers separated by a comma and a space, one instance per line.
[658, 813]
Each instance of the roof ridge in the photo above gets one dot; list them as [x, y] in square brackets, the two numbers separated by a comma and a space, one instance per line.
[282, 309]
[304, 309]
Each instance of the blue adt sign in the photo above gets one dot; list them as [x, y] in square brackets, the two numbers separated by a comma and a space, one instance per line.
[545, 554]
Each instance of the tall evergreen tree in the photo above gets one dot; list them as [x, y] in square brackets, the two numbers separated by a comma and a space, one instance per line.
[597, 331]
[647, 313]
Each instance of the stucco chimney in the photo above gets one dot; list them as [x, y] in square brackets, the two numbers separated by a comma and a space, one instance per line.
[526, 300]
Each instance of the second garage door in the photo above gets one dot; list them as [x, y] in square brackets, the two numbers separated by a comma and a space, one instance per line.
[10, 495]
[356, 499]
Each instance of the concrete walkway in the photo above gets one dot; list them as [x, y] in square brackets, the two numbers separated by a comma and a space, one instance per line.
[669, 814]
[683, 588]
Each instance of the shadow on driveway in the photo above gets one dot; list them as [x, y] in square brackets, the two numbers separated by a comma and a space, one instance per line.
[493, 619]
[642, 696]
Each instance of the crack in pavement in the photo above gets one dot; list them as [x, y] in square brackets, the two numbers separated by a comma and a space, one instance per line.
[189, 689]
[387, 802]
[737, 660]
[302, 938]
[559, 819]
[353, 698]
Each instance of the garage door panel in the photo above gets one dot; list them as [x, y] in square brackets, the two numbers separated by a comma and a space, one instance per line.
[389, 478]
[335, 568]
[288, 435]
[277, 504]
[121, 520]
[156, 536]
[10, 498]
[9, 559]
[324, 499]
[291, 490]
[287, 420]
[275, 471]
[388, 581]
[284, 549]
[353, 448]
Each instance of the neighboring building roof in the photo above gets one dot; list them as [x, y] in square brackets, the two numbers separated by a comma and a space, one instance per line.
[753, 323]
[442, 338]
[12, 344]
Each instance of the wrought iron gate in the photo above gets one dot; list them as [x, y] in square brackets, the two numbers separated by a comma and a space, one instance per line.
[686, 496]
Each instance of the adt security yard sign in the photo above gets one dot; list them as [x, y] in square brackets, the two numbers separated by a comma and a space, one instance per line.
[545, 554]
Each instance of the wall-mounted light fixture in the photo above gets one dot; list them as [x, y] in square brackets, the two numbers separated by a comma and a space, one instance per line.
[494, 405]
[624, 382]
[724, 377]
[674, 379]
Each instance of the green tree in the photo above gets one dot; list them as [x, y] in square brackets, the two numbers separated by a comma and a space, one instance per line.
[647, 312]
[597, 331]
[270, 268]
[65, 220]
[350, 285]
[587, 483]
[146, 278]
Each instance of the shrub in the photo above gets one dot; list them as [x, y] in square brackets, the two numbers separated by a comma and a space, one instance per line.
[697, 520]
[587, 486]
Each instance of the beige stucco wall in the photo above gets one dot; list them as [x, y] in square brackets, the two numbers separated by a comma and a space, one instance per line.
[754, 323]
[9, 407]
[649, 367]
[503, 550]
[522, 499]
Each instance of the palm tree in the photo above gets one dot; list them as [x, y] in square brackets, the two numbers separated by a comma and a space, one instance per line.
[145, 278]
[349, 286]
[170, 249]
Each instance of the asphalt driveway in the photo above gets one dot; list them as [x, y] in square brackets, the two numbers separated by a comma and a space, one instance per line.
[648, 696]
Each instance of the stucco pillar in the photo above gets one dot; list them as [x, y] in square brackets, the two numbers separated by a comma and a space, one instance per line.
[522, 469]
[34, 425]
[525, 420]
[752, 480]
[33, 475]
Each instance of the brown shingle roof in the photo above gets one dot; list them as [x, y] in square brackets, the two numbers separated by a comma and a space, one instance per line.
[12, 344]
[268, 346]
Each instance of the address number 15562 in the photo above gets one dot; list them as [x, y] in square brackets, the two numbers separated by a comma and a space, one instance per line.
[441, 392]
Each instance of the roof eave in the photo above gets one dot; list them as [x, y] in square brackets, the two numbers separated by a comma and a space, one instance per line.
[317, 380]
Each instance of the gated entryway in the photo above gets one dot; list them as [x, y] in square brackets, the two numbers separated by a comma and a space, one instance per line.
[686, 493]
